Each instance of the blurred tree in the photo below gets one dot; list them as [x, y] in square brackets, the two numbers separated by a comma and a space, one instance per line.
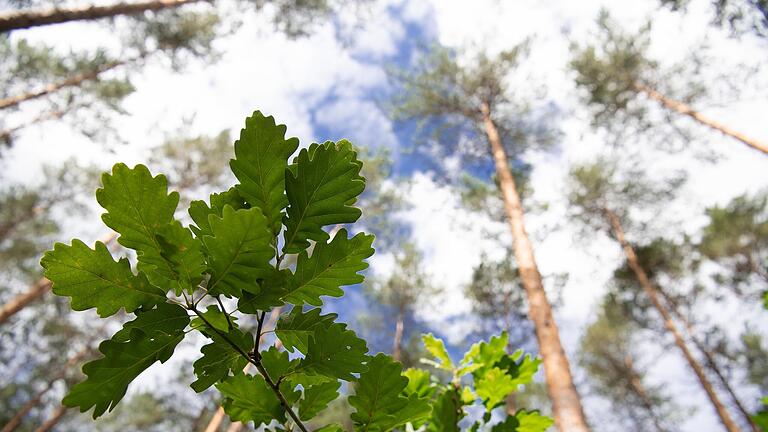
[473, 99]
[402, 291]
[608, 353]
[87, 88]
[293, 17]
[736, 237]
[192, 163]
[617, 70]
[754, 355]
[498, 299]
[738, 16]
[601, 200]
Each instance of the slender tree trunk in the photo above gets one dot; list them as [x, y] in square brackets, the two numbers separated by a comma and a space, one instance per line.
[199, 419]
[72, 81]
[685, 109]
[39, 17]
[35, 401]
[37, 290]
[397, 343]
[53, 420]
[653, 295]
[710, 361]
[235, 427]
[218, 417]
[566, 404]
[639, 388]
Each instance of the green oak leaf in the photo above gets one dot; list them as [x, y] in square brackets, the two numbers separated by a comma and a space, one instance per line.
[436, 347]
[220, 359]
[334, 352]
[200, 210]
[493, 386]
[295, 328]
[239, 251]
[138, 206]
[317, 397]
[378, 401]
[331, 266]
[270, 293]
[125, 357]
[248, 398]
[520, 367]
[165, 317]
[92, 278]
[321, 190]
[216, 318]
[446, 412]
[261, 159]
[185, 256]
[524, 421]
[419, 383]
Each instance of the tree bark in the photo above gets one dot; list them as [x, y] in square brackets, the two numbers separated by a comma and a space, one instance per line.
[397, 343]
[218, 417]
[710, 361]
[53, 420]
[34, 18]
[670, 325]
[35, 401]
[37, 290]
[566, 404]
[685, 109]
[72, 81]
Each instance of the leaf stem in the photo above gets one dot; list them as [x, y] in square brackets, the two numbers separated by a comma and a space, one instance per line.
[255, 359]
[224, 311]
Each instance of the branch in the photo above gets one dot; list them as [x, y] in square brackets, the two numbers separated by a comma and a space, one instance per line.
[256, 361]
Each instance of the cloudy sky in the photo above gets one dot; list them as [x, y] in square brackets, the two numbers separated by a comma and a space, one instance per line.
[333, 84]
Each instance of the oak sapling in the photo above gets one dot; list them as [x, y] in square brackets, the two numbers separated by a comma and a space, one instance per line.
[236, 249]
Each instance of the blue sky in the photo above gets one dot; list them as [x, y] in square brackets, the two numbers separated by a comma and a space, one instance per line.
[325, 88]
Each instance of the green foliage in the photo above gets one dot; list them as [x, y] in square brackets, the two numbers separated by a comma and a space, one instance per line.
[233, 250]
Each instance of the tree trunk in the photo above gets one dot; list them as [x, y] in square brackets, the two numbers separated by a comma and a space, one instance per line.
[710, 361]
[653, 295]
[566, 404]
[397, 343]
[34, 18]
[53, 420]
[35, 401]
[72, 81]
[37, 290]
[684, 109]
[639, 388]
[235, 427]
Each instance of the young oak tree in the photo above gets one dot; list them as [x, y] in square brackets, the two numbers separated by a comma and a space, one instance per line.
[474, 98]
[617, 71]
[603, 202]
[236, 249]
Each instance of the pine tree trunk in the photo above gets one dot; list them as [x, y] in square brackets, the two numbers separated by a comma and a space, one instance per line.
[53, 420]
[639, 388]
[397, 343]
[34, 18]
[566, 404]
[235, 427]
[218, 417]
[42, 286]
[710, 361]
[653, 295]
[685, 109]
[72, 81]
[35, 401]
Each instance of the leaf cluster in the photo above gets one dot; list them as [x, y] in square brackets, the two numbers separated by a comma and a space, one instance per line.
[235, 252]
